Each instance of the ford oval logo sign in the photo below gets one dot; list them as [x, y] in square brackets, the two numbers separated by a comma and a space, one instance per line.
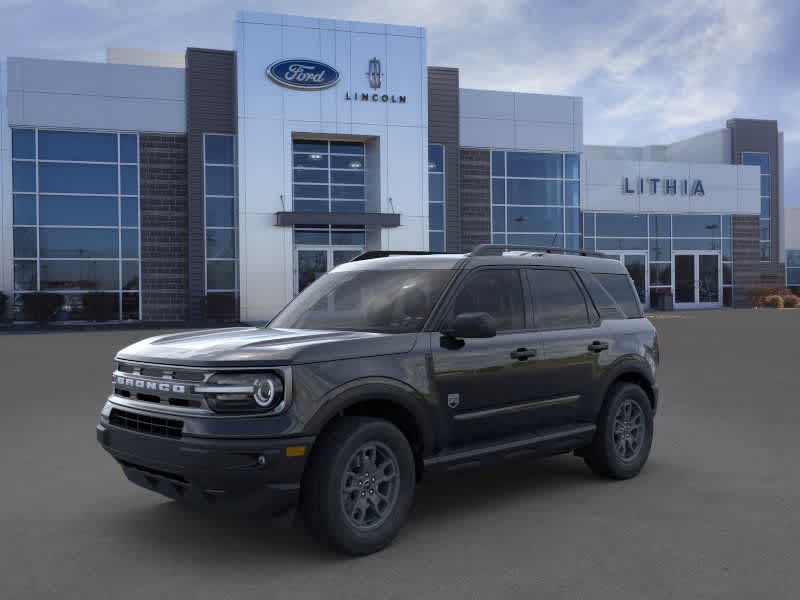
[303, 74]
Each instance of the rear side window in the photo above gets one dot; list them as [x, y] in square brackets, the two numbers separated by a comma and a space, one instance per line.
[558, 302]
[606, 305]
[621, 289]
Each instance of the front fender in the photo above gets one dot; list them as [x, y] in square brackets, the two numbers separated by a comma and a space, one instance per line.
[376, 388]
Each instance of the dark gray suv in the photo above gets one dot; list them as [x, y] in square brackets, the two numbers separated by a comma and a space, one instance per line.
[387, 369]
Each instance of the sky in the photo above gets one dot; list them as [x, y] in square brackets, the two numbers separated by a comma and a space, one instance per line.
[649, 72]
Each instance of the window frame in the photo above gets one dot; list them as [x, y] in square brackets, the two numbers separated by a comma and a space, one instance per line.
[443, 173]
[234, 227]
[561, 238]
[118, 195]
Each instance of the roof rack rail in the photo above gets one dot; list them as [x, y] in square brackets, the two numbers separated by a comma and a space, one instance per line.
[370, 254]
[498, 249]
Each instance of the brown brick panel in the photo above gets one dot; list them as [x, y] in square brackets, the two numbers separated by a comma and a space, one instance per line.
[210, 108]
[746, 255]
[164, 226]
[443, 128]
[476, 216]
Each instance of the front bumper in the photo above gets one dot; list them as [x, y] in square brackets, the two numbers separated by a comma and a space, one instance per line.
[228, 474]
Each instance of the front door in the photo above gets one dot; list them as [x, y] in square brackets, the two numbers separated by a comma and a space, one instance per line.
[697, 279]
[636, 263]
[311, 262]
[484, 386]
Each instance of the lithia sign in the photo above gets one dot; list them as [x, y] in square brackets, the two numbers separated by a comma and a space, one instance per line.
[667, 186]
[306, 74]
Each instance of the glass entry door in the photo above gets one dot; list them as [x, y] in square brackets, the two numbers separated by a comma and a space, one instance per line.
[636, 263]
[311, 263]
[697, 279]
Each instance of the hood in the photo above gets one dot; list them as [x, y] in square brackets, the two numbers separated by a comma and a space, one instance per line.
[256, 346]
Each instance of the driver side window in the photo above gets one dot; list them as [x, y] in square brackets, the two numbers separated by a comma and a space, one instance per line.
[494, 291]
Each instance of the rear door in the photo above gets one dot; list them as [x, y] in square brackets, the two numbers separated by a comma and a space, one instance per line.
[570, 344]
[481, 383]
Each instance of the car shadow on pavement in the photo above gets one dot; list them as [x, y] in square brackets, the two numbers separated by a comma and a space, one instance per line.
[171, 528]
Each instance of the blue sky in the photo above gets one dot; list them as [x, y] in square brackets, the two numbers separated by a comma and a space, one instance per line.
[649, 72]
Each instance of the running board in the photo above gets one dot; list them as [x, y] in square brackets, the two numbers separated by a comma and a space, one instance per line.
[556, 441]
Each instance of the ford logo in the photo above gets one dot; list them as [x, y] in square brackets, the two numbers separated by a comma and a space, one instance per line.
[302, 74]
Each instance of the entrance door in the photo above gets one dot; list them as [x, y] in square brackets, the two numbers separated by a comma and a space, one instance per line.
[697, 279]
[312, 262]
[636, 263]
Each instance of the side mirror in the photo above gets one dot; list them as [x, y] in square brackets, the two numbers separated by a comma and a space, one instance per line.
[472, 325]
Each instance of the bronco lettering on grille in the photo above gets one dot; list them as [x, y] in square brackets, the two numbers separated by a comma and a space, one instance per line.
[175, 388]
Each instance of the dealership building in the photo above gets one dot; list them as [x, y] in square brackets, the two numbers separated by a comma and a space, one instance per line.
[218, 184]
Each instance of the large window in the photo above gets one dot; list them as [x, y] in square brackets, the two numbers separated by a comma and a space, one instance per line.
[761, 160]
[76, 219]
[219, 156]
[436, 197]
[328, 176]
[793, 268]
[657, 236]
[536, 199]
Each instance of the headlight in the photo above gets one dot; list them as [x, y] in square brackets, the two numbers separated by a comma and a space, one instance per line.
[244, 392]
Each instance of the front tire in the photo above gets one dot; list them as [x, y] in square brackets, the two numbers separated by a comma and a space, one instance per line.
[359, 485]
[624, 433]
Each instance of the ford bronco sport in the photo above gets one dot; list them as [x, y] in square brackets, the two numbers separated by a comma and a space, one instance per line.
[388, 368]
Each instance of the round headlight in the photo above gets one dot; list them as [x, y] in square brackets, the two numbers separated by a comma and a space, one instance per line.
[268, 391]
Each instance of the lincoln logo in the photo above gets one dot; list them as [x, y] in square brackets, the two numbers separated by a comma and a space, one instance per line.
[153, 386]
[301, 74]
[374, 74]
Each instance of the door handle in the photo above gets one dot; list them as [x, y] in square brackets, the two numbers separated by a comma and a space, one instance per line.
[598, 346]
[523, 354]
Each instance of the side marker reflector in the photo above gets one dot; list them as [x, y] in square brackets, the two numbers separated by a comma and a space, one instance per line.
[296, 451]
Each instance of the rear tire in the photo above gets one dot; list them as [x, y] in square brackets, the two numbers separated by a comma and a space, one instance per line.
[624, 433]
[359, 485]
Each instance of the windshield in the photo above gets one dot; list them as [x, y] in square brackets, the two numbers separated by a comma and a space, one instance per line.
[390, 301]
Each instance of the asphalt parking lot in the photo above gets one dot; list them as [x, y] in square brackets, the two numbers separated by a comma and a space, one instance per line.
[714, 514]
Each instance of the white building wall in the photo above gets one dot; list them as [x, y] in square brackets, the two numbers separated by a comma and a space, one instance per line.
[713, 147]
[729, 189]
[519, 121]
[6, 205]
[82, 95]
[791, 228]
[269, 115]
[146, 58]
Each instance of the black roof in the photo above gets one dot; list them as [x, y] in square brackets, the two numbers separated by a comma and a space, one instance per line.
[487, 255]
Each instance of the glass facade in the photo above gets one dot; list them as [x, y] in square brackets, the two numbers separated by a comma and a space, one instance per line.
[536, 198]
[793, 269]
[76, 219]
[219, 159]
[658, 236]
[761, 160]
[328, 176]
[436, 198]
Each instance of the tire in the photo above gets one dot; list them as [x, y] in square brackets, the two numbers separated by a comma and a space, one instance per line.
[338, 509]
[622, 455]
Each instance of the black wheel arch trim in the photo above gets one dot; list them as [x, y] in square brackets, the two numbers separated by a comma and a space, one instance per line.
[375, 389]
[629, 365]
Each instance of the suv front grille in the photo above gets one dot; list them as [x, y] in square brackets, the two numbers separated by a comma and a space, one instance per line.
[160, 385]
[171, 428]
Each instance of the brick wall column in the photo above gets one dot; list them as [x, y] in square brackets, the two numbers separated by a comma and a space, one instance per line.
[164, 226]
